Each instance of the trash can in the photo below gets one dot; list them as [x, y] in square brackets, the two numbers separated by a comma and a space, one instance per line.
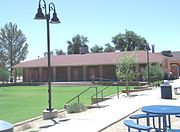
[166, 90]
[6, 126]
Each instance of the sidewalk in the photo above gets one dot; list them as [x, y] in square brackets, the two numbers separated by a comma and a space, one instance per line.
[98, 119]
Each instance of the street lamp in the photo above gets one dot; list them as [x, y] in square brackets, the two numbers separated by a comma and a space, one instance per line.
[147, 49]
[11, 63]
[55, 20]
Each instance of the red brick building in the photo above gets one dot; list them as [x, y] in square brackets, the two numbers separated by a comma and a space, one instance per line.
[81, 67]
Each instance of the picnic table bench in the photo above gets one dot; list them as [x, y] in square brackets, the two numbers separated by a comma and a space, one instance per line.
[130, 124]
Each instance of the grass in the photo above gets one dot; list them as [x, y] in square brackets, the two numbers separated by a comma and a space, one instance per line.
[20, 103]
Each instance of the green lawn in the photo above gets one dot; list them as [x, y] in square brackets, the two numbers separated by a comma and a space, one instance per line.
[19, 103]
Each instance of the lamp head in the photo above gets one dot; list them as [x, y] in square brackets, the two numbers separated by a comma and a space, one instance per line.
[39, 14]
[55, 19]
[147, 47]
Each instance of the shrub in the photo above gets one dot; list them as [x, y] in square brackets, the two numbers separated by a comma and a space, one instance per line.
[76, 107]
[154, 70]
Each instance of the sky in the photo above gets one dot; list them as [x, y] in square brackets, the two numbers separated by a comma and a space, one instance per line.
[158, 21]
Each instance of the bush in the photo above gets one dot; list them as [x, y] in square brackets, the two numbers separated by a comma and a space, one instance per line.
[76, 107]
[22, 84]
[155, 70]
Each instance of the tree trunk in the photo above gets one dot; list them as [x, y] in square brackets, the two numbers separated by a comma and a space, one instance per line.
[127, 89]
[15, 75]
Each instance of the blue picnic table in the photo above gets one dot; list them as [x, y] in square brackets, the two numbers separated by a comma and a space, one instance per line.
[163, 111]
[6, 126]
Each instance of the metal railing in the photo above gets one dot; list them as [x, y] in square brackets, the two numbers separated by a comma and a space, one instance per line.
[78, 96]
[101, 92]
[101, 81]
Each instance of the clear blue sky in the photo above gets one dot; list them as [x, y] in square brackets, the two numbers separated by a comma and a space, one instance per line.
[158, 21]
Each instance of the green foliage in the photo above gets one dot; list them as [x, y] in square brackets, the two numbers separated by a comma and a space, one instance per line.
[12, 44]
[46, 53]
[129, 41]
[4, 74]
[59, 52]
[109, 48]
[2, 56]
[77, 42]
[125, 68]
[154, 70]
[97, 49]
[76, 107]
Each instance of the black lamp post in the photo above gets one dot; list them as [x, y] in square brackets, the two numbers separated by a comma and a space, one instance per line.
[40, 16]
[11, 62]
[147, 49]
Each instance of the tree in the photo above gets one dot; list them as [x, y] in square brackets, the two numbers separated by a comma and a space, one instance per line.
[129, 41]
[46, 53]
[59, 52]
[2, 57]
[125, 69]
[13, 45]
[109, 48]
[97, 49]
[77, 42]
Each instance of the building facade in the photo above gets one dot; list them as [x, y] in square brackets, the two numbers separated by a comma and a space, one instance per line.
[82, 67]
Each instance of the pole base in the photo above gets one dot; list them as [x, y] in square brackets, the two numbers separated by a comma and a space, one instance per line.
[50, 114]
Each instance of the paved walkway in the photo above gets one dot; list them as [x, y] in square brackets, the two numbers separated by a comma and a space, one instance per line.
[115, 109]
